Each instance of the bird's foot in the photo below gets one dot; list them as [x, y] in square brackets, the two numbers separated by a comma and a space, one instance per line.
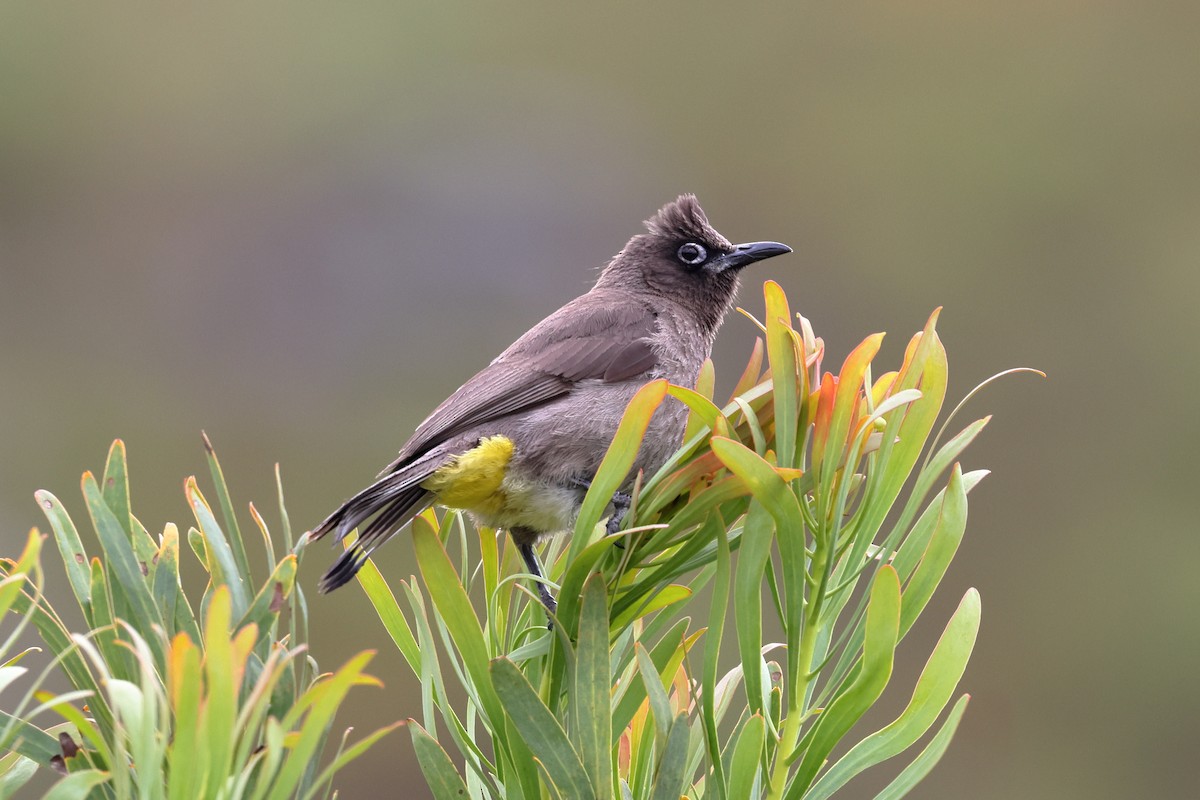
[620, 503]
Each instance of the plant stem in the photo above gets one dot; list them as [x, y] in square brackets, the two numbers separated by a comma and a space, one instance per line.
[795, 712]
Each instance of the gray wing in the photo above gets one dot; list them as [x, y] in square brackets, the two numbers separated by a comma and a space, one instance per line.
[594, 337]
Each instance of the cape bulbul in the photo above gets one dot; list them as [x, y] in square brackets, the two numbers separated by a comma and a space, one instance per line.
[517, 445]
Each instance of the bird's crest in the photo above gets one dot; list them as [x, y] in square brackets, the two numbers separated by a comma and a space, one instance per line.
[684, 219]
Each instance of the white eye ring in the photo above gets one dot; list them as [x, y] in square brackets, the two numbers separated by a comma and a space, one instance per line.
[691, 254]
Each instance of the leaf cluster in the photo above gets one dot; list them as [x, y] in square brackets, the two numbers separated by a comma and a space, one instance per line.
[170, 699]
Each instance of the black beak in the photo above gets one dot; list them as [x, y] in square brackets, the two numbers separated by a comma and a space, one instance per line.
[743, 254]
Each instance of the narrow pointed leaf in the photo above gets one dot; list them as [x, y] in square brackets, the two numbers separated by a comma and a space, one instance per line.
[166, 578]
[921, 766]
[666, 655]
[454, 606]
[934, 688]
[272, 598]
[541, 731]
[70, 546]
[757, 533]
[747, 756]
[237, 544]
[77, 785]
[704, 414]
[773, 493]
[943, 544]
[781, 352]
[393, 619]
[617, 461]
[221, 560]
[439, 771]
[115, 485]
[125, 567]
[660, 704]
[28, 740]
[752, 373]
[672, 768]
[592, 700]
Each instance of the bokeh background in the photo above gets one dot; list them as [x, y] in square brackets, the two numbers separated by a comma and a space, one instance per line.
[299, 226]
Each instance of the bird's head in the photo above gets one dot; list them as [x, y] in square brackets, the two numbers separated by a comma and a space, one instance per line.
[683, 258]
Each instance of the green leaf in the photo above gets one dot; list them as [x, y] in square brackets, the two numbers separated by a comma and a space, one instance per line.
[718, 609]
[64, 706]
[16, 576]
[908, 556]
[751, 421]
[672, 768]
[384, 602]
[592, 700]
[221, 561]
[443, 779]
[186, 680]
[662, 598]
[541, 731]
[70, 546]
[616, 464]
[660, 703]
[941, 461]
[906, 432]
[905, 562]
[15, 771]
[77, 785]
[705, 384]
[55, 635]
[915, 772]
[747, 756]
[28, 740]
[704, 414]
[271, 599]
[231, 524]
[773, 493]
[115, 485]
[757, 535]
[751, 373]
[666, 655]
[454, 607]
[934, 687]
[126, 569]
[781, 352]
[223, 667]
[316, 707]
[166, 579]
[943, 544]
[119, 661]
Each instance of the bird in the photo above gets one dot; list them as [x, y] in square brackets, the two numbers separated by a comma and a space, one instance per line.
[518, 444]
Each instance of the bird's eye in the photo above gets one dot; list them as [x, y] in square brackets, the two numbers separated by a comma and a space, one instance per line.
[691, 254]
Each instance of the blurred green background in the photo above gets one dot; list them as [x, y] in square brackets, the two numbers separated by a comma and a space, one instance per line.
[299, 227]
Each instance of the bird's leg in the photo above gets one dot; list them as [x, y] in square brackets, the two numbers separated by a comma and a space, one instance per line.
[524, 542]
[620, 503]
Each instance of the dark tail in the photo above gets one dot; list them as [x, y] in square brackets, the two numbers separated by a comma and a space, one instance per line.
[393, 500]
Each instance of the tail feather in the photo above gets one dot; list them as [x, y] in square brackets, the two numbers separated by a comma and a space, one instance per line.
[392, 500]
[391, 519]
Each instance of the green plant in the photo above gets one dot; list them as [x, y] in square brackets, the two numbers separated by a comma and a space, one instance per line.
[224, 703]
[799, 476]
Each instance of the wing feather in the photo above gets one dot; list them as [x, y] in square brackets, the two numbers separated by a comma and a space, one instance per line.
[595, 337]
